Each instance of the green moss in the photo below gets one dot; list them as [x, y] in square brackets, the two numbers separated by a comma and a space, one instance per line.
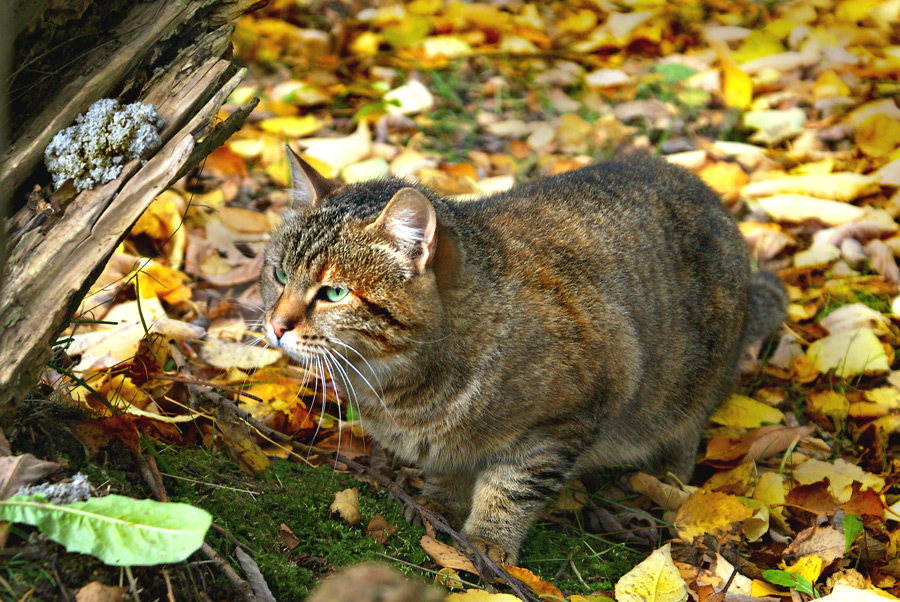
[252, 509]
[557, 547]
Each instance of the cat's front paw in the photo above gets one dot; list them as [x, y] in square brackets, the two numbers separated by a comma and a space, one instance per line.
[494, 550]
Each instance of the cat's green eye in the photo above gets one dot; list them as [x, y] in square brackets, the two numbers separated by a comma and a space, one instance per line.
[280, 276]
[334, 293]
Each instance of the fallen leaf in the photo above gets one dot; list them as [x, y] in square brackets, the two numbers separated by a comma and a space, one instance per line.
[655, 579]
[19, 471]
[535, 583]
[878, 135]
[849, 353]
[288, 539]
[346, 504]
[447, 556]
[379, 529]
[800, 208]
[745, 412]
[843, 186]
[827, 543]
[408, 99]
[841, 475]
[229, 354]
[710, 512]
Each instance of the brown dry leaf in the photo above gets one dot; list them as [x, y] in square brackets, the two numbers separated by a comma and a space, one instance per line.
[757, 444]
[826, 542]
[662, 494]
[346, 504]
[244, 220]
[19, 471]
[710, 512]
[447, 556]
[288, 539]
[379, 529]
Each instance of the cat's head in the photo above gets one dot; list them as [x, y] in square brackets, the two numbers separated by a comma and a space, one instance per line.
[350, 267]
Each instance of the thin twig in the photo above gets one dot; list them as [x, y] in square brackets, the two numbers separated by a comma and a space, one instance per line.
[424, 570]
[241, 587]
[59, 582]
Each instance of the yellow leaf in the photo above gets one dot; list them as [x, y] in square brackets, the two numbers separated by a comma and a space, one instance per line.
[851, 11]
[346, 504]
[448, 578]
[157, 280]
[746, 412]
[829, 85]
[756, 525]
[763, 589]
[447, 47]
[841, 476]
[808, 566]
[656, 579]
[710, 512]
[841, 186]
[799, 208]
[886, 396]
[757, 45]
[770, 491]
[244, 220]
[580, 22]
[724, 177]
[829, 403]
[292, 127]
[878, 135]
[849, 353]
[737, 88]
[366, 44]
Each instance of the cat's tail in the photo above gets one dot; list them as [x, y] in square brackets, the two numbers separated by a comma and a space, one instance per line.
[767, 307]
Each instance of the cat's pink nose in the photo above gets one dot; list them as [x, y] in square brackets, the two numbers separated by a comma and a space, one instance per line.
[280, 327]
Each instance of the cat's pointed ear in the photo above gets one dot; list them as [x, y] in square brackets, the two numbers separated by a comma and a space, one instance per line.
[308, 187]
[409, 220]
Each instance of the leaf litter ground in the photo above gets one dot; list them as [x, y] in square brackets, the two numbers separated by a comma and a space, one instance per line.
[788, 110]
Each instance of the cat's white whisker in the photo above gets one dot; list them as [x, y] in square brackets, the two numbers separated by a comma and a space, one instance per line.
[365, 380]
[346, 346]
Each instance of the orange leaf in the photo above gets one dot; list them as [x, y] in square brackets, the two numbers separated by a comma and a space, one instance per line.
[535, 583]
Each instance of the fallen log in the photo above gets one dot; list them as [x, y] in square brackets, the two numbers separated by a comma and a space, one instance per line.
[174, 54]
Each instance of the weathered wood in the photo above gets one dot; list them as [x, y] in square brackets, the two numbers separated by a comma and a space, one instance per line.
[51, 266]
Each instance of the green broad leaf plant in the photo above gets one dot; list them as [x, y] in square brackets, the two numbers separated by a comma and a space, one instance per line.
[119, 530]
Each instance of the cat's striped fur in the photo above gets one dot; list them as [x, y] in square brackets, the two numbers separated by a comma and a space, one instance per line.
[505, 344]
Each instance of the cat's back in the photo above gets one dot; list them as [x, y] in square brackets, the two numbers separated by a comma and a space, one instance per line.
[634, 217]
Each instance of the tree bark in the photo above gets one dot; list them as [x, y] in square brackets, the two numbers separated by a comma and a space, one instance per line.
[171, 53]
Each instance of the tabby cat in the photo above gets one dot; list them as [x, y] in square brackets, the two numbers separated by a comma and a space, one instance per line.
[507, 343]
